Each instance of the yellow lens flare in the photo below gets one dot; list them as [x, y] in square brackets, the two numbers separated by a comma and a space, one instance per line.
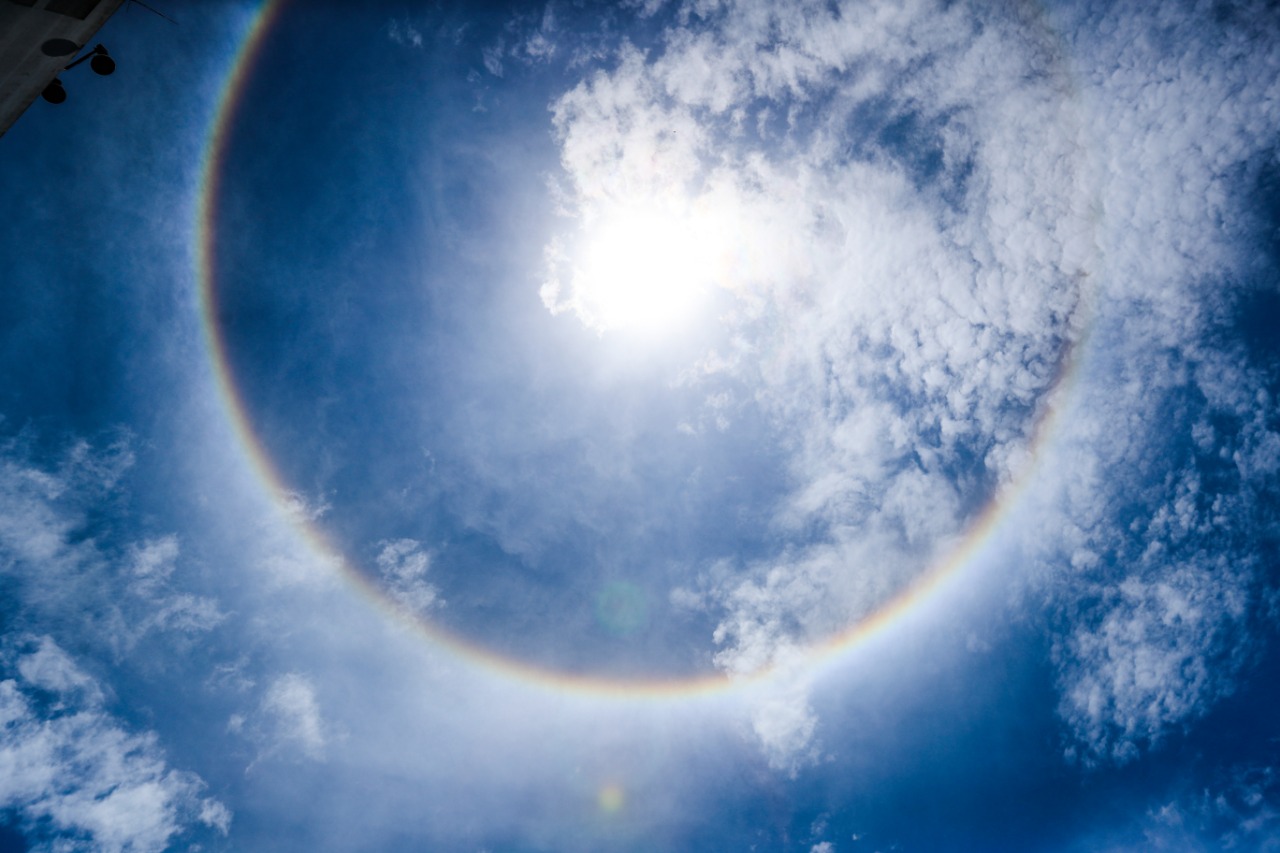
[647, 268]
[610, 799]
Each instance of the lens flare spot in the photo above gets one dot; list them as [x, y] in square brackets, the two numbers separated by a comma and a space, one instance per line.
[610, 799]
[621, 608]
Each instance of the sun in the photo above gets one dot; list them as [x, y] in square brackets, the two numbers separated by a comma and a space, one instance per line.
[647, 268]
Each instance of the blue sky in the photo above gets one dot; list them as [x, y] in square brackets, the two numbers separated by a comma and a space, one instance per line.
[709, 425]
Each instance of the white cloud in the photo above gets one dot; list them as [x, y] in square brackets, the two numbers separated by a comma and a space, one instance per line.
[286, 723]
[67, 763]
[540, 45]
[1158, 614]
[403, 565]
[153, 564]
[527, 38]
[47, 667]
[72, 768]
[300, 509]
[293, 715]
[404, 33]
[116, 593]
[492, 56]
[290, 560]
[1236, 808]
[216, 815]
[784, 724]
[232, 677]
[892, 363]
[927, 211]
[1163, 651]
[646, 8]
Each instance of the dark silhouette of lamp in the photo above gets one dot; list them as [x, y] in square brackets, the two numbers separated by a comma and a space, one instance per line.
[99, 60]
[54, 93]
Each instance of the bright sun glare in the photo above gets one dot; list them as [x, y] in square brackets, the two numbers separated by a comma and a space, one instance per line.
[647, 269]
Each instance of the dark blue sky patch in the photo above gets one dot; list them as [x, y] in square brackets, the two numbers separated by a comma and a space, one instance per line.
[11, 839]
[982, 774]
[65, 308]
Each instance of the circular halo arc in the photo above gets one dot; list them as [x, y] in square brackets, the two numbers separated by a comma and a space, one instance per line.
[818, 655]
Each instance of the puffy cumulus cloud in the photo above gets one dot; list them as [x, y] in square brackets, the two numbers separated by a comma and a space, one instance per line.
[68, 573]
[403, 566]
[1164, 647]
[925, 207]
[1169, 458]
[76, 777]
[1159, 613]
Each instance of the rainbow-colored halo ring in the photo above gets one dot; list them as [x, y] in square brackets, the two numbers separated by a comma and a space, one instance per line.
[923, 588]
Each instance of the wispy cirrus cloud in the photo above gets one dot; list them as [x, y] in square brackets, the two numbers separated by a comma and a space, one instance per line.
[404, 33]
[1235, 808]
[76, 776]
[68, 573]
